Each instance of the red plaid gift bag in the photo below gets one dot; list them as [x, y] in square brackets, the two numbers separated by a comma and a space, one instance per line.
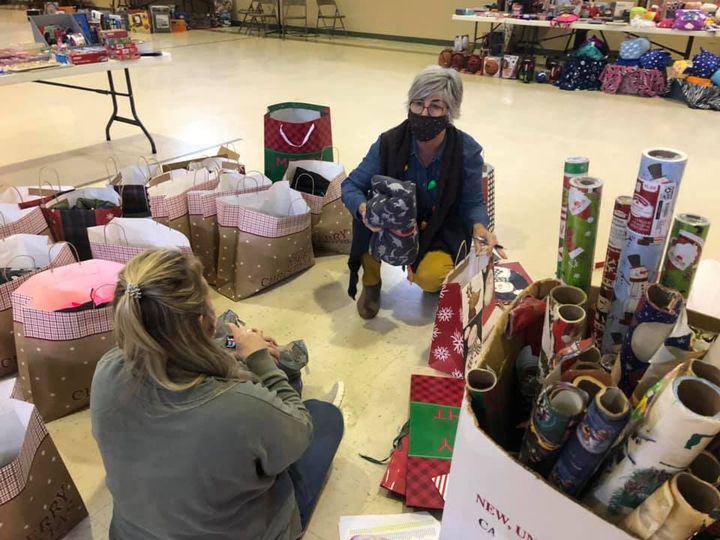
[38, 498]
[69, 215]
[16, 220]
[202, 213]
[21, 257]
[125, 238]
[63, 324]
[168, 196]
[264, 239]
[467, 299]
[331, 221]
[434, 411]
[295, 131]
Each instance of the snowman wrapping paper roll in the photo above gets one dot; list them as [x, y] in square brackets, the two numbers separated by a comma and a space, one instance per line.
[687, 239]
[574, 167]
[677, 426]
[583, 213]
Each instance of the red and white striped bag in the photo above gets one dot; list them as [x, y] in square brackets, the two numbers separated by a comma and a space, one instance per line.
[202, 210]
[125, 238]
[38, 498]
[57, 351]
[168, 196]
[23, 252]
[265, 237]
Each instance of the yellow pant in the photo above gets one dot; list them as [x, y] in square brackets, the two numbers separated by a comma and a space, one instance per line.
[430, 274]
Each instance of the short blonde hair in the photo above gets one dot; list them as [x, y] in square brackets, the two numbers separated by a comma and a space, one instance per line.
[164, 322]
[442, 81]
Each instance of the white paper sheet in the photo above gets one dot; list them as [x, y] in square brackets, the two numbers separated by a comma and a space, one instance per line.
[416, 526]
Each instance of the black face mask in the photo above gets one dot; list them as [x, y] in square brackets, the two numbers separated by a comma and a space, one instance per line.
[426, 128]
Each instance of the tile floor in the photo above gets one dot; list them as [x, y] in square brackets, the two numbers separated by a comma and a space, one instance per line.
[216, 90]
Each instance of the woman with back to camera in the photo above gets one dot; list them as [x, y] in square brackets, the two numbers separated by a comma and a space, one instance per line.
[446, 166]
[199, 444]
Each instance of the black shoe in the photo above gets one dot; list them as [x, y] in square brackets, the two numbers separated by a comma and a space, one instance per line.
[368, 304]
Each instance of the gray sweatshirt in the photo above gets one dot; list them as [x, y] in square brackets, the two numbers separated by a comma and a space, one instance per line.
[208, 463]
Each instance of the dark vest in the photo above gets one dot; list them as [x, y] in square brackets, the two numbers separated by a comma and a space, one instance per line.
[445, 229]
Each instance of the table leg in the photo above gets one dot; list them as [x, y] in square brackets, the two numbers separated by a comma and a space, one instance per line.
[115, 117]
[689, 47]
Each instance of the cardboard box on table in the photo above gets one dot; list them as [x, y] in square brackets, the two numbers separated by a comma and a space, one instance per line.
[490, 494]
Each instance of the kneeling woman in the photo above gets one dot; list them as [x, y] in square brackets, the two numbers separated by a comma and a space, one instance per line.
[197, 443]
[446, 166]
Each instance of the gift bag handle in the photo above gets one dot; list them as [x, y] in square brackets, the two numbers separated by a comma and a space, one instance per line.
[463, 244]
[71, 246]
[147, 166]
[253, 177]
[312, 179]
[111, 159]
[4, 221]
[93, 293]
[40, 179]
[127, 244]
[334, 150]
[22, 200]
[305, 139]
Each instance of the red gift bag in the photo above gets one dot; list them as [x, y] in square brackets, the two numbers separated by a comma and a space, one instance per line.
[467, 299]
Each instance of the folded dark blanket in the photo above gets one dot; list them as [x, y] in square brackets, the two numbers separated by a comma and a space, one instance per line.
[310, 182]
[84, 204]
[11, 274]
[393, 207]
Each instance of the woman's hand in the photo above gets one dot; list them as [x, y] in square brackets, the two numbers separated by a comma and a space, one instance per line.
[272, 345]
[362, 210]
[485, 242]
[247, 341]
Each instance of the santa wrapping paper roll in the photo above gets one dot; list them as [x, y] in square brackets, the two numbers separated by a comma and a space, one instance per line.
[558, 296]
[677, 426]
[584, 452]
[584, 197]
[678, 510]
[687, 239]
[618, 233]
[574, 167]
[653, 322]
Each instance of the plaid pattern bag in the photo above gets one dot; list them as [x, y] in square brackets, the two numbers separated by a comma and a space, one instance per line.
[258, 250]
[38, 498]
[169, 203]
[295, 131]
[125, 238]
[16, 251]
[202, 213]
[57, 351]
[71, 224]
[16, 220]
[331, 221]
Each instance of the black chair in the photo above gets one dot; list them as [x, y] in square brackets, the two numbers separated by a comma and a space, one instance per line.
[328, 11]
[294, 10]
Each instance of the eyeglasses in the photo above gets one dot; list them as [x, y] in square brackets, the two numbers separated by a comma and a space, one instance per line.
[434, 109]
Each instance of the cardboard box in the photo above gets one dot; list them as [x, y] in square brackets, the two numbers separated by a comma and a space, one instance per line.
[490, 494]
[40, 21]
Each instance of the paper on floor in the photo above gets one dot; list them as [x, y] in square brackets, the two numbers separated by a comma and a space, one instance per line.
[415, 526]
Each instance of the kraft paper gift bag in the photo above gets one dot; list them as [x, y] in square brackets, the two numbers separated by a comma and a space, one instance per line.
[21, 257]
[467, 299]
[125, 238]
[38, 498]
[16, 220]
[264, 238]
[296, 131]
[70, 215]
[63, 324]
[331, 221]
[202, 211]
[168, 196]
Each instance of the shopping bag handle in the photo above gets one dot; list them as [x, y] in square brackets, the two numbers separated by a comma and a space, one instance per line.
[16, 191]
[41, 182]
[305, 140]
[93, 294]
[463, 244]
[116, 177]
[127, 244]
[257, 181]
[334, 150]
[147, 162]
[71, 246]
[312, 179]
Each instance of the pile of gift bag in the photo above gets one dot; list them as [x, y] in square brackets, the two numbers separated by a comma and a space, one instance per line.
[62, 249]
[611, 394]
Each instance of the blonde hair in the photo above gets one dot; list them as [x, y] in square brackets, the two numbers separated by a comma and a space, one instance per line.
[164, 322]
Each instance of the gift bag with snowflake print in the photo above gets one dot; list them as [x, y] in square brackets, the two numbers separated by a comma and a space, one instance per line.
[466, 301]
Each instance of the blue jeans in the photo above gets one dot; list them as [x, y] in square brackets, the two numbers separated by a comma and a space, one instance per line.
[308, 474]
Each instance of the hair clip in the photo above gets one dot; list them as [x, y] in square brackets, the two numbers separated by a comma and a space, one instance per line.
[133, 291]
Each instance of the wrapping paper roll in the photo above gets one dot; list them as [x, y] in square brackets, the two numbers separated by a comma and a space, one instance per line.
[706, 467]
[594, 437]
[568, 325]
[639, 262]
[648, 216]
[616, 242]
[677, 510]
[558, 296]
[660, 365]
[559, 407]
[654, 321]
[590, 385]
[574, 167]
[481, 385]
[583, 213]
[687, 239]
[677, 426]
